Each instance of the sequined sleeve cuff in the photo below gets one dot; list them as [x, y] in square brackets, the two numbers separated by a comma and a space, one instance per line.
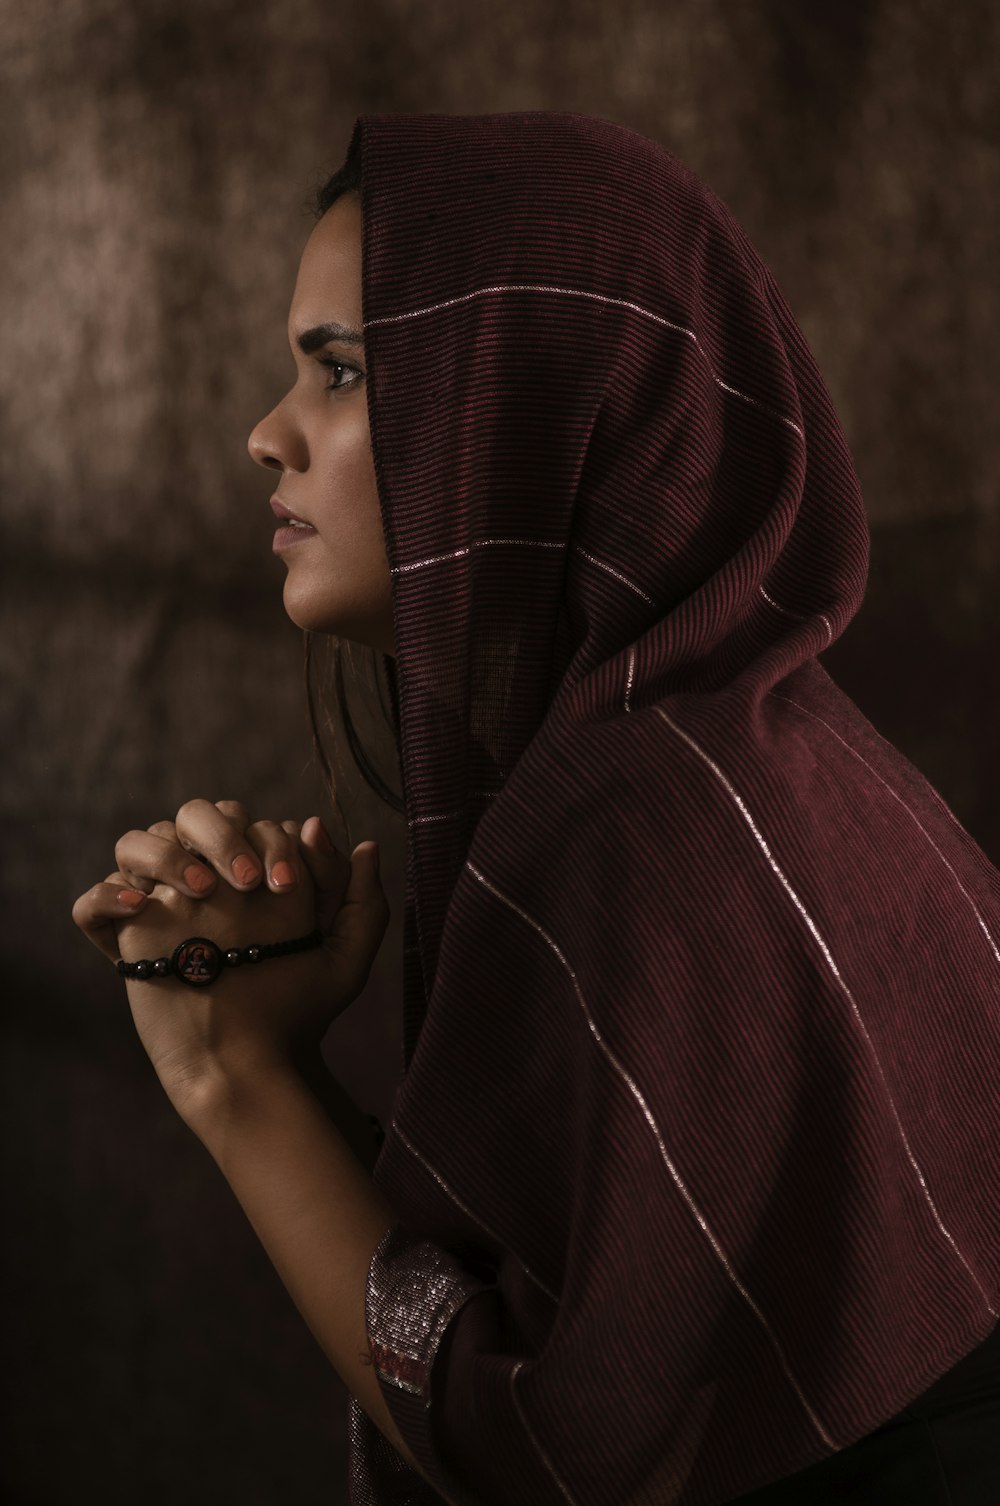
[415, 1289]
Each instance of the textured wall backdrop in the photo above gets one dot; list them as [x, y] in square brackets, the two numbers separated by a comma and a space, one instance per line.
[154, 163]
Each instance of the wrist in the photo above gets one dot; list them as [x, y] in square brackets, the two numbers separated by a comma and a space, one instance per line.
[218, 1090]
[221, 1100]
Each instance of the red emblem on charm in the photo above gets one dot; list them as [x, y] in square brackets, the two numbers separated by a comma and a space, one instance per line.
[197, 961]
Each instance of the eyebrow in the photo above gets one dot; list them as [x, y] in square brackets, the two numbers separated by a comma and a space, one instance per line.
[322, 334]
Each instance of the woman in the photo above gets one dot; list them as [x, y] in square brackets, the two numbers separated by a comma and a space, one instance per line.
[691, 1191]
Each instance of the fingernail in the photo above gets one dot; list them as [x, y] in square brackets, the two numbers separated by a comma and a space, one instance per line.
[245, 869]
[283, 874]
[198, 878]
[131, 898]
[323, 837]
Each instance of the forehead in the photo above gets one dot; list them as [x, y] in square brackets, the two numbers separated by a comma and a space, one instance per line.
[328, 285]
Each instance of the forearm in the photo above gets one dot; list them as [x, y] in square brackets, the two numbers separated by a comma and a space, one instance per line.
[315, 1208]
[356, 1127]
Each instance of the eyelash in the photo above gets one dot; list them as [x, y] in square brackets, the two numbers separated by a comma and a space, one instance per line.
[342, 366]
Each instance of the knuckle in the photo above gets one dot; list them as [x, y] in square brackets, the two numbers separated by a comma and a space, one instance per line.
[271, 842]
[124, 843]
[233, 810]
[280, 847]
[264, 826]
[268, 838]
[196, 829]
[86, 905]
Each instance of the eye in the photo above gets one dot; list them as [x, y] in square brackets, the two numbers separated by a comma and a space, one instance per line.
[336, 386]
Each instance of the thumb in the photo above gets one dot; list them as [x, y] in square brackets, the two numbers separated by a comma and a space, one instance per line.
[364, 887]
[329, 869]
[362, 920]
[365, 875]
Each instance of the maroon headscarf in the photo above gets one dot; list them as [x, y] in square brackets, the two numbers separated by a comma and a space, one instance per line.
[695, 1159]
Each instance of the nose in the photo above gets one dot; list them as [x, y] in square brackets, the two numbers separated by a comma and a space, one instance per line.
[263, 447]
[278, 441]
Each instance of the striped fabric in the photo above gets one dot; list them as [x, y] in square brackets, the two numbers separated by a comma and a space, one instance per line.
[695, 1158]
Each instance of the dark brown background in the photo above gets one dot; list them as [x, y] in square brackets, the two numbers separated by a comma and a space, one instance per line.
[154, 162]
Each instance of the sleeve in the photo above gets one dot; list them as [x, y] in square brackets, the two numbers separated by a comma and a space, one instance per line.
[543, 1314]
[424, 1306]
[652, 1100]
[442, 1347]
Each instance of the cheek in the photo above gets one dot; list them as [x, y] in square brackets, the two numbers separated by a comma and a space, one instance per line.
[348, 510]
[353, 440]
[348, 471]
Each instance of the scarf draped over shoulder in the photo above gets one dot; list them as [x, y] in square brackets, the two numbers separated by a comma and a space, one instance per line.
[695, 1158]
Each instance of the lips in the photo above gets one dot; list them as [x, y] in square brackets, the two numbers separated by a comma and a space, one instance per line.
[281, 511]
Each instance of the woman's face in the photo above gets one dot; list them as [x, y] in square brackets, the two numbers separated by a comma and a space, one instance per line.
[318, 439]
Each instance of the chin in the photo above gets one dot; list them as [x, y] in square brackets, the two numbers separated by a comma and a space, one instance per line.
[316, 617]
[299, 613]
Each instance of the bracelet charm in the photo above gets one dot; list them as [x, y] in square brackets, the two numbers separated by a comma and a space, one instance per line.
[198, 961]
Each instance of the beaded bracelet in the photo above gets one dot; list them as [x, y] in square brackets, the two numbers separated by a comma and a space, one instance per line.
[199, 961]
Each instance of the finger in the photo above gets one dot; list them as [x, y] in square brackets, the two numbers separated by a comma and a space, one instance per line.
[168, 829]
[234, 811]
[205, 828]
[327, 864]
[139, 880]
[331, 872]
[278, 850]
[363, 917]
[99, 911]
[145, 859]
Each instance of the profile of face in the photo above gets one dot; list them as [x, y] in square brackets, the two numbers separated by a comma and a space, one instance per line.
[318, 439]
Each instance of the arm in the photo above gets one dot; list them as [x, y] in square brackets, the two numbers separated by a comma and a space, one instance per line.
[245, 1072]
[316, 1210]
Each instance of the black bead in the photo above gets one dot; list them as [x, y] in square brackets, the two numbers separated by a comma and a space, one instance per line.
[233, 957]
[253, 953]
[143, 969]
[162, 966]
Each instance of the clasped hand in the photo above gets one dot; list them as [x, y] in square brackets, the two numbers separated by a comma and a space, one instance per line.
[257, 1015]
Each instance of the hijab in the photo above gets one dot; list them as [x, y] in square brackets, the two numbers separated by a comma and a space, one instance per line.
[694, 1159]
